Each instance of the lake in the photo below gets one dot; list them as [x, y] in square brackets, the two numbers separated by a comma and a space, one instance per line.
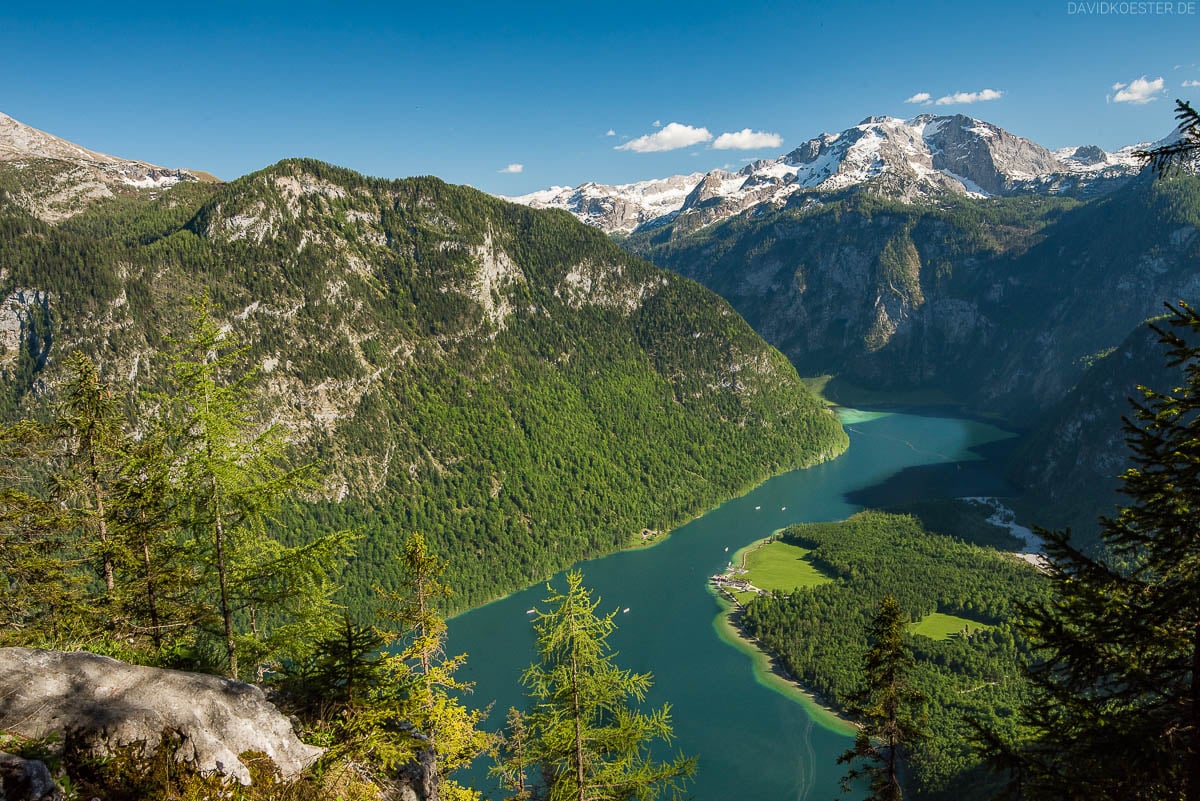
[754, 740]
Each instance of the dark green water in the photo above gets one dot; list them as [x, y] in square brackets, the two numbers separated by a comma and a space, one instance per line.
[754, 743]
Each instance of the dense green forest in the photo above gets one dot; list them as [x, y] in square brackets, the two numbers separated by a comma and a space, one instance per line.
[507, 381]
[820, 633]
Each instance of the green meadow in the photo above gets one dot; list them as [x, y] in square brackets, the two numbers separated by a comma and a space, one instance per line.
[940, 626]
[780, 567]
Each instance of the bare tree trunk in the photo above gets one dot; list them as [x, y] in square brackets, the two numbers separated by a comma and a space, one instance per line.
[223, 581]
[151, 597]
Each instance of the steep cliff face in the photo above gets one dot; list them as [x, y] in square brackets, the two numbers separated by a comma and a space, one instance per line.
[504, 379]
[995, 302]
[1071, 462]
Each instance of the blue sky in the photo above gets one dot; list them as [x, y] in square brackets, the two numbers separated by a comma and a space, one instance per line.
[464, 90]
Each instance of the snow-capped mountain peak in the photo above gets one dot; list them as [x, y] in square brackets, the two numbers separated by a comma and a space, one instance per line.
[906, 159]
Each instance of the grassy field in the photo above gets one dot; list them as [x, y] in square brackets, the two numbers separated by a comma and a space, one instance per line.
[782, 567]
[939, 626]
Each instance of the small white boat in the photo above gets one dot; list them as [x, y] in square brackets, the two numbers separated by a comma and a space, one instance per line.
[625, 610]
[530, 611]
[726, 549]
[783, 508]
[756, 508]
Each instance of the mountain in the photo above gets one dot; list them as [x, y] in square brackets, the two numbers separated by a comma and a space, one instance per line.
[505, 380]
[616, 208]
[1071, 461]
[54, 179]
[901, 159]
[995, 303]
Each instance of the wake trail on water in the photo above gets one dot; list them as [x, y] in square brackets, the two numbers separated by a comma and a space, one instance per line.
[945, 457]
[806, 774]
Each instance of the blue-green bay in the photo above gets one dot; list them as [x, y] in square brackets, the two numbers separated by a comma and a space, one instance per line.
[754, 740]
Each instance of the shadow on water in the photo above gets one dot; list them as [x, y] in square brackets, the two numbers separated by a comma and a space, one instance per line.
[754, 742]
[945, 480]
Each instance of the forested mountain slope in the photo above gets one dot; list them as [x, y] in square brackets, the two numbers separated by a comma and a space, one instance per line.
[1072, 460]
[998, 303]
[508, 381]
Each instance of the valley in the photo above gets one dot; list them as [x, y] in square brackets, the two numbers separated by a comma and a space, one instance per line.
[556, 382]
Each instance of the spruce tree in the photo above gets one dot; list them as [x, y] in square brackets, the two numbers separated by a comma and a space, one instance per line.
[584, 732]
[1173, 154]
[887, 708]
[1117, 714]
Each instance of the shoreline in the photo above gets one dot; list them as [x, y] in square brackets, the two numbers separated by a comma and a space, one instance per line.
[637, 544]
[765, 665]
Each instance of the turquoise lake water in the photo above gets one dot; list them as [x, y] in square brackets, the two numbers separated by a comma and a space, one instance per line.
[753, 742]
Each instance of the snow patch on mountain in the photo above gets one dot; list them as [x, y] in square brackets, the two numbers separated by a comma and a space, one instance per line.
[906, 159]
[69, 177]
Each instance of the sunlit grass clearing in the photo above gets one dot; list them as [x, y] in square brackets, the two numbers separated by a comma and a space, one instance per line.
[783, 567]
[940, 626]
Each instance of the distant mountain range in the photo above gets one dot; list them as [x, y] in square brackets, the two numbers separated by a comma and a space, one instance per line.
[902, 159]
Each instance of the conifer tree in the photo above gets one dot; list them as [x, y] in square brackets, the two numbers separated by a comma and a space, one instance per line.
[584, 731]
[1164, 157]
[230, 476]
[43, 593]
[423, 673]
[91, 432]
[1117, 715]
[887, 708]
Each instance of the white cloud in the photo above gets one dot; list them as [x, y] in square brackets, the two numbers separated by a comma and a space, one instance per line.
[610, 132]
[656, 124]
[513, 168]
[968, 97]
[1190, 84]
[747, 139]
[671, 137]
[924, 98]
[1139, 91]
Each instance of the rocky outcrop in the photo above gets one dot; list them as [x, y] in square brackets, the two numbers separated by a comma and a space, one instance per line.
[26, 780]
[54, 179]
[97, 704]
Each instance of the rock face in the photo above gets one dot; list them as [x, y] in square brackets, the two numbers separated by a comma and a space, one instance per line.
[99, 704]
[997, 310]
[26, 780]
[54, 179]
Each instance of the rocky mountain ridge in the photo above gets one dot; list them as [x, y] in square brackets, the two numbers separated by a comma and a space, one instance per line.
[906, 160]
[55, 179]
[457, 363]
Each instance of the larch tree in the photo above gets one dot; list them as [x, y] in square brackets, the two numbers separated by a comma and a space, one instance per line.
[425, 675]
[230, 474]
[584, 733]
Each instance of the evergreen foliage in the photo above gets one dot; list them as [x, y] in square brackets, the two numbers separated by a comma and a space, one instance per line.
[1118, 645]
[820, 632]
[584, 736]
[144, 529]
[886, 708]
[1183, 149]
[432, 706]
[505, 380]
